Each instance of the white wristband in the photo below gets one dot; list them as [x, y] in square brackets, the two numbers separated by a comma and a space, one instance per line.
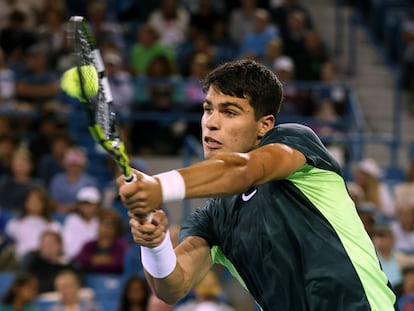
[159, 261]
[172, 186]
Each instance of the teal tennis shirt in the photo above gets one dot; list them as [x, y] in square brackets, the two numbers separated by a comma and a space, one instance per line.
[297, 243]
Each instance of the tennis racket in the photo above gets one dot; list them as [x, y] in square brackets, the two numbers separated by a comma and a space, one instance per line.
[102, 119]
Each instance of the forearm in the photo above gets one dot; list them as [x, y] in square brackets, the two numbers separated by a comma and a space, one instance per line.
[224, 175]
[191, 261]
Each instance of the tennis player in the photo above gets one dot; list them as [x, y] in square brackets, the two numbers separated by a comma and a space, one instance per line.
[279, 218]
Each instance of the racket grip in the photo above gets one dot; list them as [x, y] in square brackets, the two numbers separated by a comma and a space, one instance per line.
[144, 219]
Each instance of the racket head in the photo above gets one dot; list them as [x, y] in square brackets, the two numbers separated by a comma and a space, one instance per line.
[102, 119]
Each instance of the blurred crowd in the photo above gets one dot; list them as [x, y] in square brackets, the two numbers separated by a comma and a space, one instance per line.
[59, 222]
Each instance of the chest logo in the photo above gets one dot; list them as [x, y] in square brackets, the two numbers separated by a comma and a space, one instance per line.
[247, 197]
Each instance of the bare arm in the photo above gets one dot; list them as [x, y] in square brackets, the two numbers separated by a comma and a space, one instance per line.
[227, 173]
[232, 173]
[193, 259]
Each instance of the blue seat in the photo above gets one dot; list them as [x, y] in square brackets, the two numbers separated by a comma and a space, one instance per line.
[6, 279]
[105, 286]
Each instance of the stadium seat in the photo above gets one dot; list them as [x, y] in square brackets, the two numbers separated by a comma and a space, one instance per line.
[106, 286]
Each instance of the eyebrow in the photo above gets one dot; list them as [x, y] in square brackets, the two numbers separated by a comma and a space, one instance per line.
[226, 104]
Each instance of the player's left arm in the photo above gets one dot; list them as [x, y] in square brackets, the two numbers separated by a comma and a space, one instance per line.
[225, 174]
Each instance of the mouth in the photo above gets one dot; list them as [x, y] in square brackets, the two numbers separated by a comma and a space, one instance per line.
[211, 143]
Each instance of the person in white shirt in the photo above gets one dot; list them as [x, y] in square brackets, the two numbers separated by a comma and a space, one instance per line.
[25, 230]
[82, 225]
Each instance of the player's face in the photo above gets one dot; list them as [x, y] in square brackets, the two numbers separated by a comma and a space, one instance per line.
[228, 124]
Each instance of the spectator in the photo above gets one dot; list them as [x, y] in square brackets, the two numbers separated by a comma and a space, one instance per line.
[47, 261]
[406, 288]
[295, 36]
[51, 163]
[106, 253]
[273, 50]
[68, 285]
[36, 217]
[384, 243]
[37, 86]
[161, 93]
[135, 295]
[21, 294]
[7, 85]
[368, 176]
[310, 61]
[171, 23]
[204, 18]
[368, 216]
[403, 226]
[410, 171]
[254, 43]
[107, 33]
[297, 101]
[146, 48]
[8, 146]
[208, 296]
[51, 30]
[120, 82]
[15, 38]
[241, 19]
[81, 226]
[14, 187]
[64, 186]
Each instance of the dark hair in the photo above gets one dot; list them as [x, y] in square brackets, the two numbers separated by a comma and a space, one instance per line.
[46, 201]
[251, 80]
[18, 282]
[125, 303]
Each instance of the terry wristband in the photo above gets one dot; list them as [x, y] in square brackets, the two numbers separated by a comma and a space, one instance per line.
[172, 186]
[159, 261]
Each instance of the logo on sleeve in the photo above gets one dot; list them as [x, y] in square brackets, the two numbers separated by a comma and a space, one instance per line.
[247, 197]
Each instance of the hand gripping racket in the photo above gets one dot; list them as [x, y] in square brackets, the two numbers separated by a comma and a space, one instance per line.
[102, 119]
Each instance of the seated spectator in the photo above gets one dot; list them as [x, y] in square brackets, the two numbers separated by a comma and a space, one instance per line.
[35, 218]
[241, 20]
[7, 85]
[171, 22]
[309, 63]
[254, 43]
[209, 295]
[146, 48]
[368, 216]
[384, 243]
[21, 294]
[106, 32]
[46, 262]
[406, 287]
[8, 146]
[368, 176]
[403, 226]
[297, 100]
[64, 186]
[273, 50]
[106, 253]
[52, 162]
[14, 187]
[15, 37]
[68, 286]
[81, 225]
[37, 86]
[135, 294]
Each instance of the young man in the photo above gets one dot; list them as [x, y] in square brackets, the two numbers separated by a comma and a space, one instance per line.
[280, 219]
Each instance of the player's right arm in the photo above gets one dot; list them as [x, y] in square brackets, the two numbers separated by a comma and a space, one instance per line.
[191, 257]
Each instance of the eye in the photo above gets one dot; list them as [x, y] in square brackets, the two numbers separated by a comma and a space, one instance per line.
[207, 109]
[230, 113]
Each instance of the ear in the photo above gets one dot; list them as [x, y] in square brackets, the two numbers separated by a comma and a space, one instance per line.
[265, 124]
